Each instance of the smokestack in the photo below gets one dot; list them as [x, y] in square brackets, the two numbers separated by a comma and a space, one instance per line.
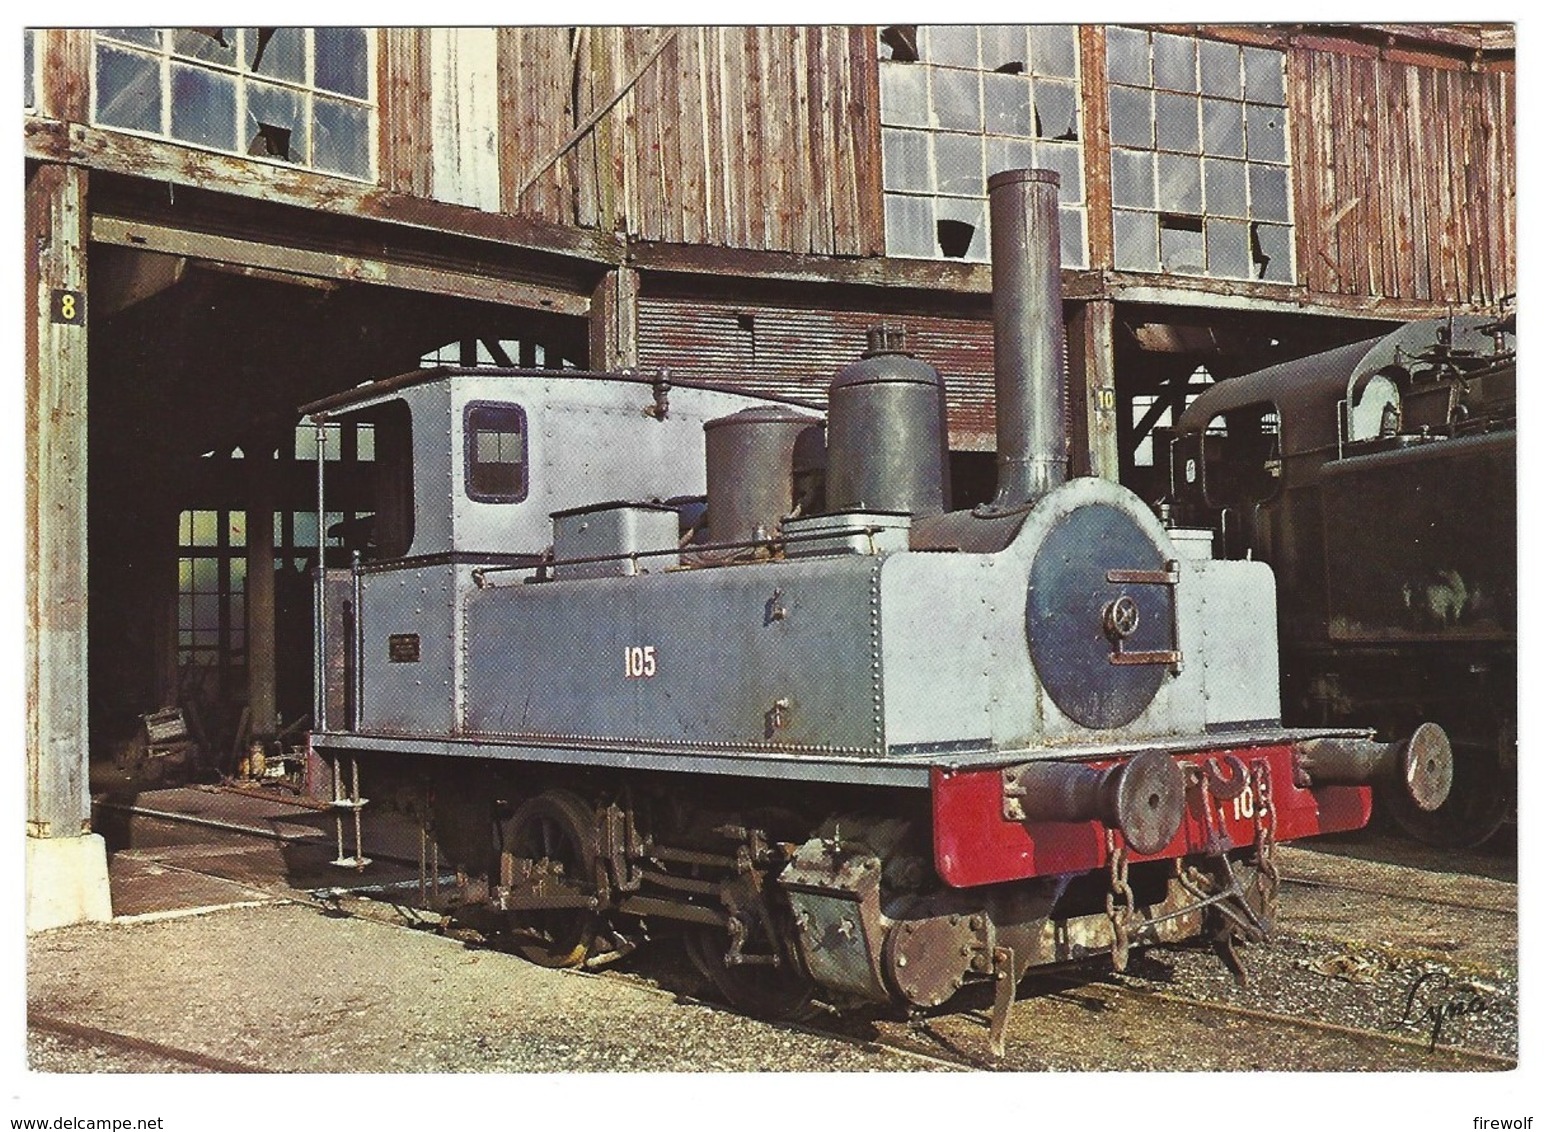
[1029, 335]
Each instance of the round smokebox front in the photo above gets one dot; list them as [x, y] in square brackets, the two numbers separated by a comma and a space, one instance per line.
[1100, 616]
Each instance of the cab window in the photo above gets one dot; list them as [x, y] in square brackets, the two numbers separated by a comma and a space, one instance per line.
[496, 466]
[1241, 461]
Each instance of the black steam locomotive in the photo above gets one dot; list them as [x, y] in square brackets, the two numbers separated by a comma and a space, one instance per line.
[1379, 480]
[846, 742]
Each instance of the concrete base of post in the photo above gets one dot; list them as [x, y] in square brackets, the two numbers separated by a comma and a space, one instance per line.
[66, 881]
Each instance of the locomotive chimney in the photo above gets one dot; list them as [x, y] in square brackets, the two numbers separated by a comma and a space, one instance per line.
[1029, 336]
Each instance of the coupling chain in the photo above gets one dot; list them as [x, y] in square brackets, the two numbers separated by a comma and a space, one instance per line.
[1120, 914]
[1265, 842]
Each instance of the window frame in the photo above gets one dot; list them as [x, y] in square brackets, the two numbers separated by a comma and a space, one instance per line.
[468, 451]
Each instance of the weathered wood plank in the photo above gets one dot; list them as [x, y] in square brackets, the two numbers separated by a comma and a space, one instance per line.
[1096, 147]
[757, 136]
[404, 134]
[863, 115]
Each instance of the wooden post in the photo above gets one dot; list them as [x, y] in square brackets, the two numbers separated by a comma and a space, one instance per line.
[262, 696]
[67, 868]
[1091, 373]
[614, 321]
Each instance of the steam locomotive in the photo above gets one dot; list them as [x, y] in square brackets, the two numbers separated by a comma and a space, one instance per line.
[846, 744]
[1379, 480]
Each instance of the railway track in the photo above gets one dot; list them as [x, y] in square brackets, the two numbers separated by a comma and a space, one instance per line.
[1487, 909]
[97, 1038]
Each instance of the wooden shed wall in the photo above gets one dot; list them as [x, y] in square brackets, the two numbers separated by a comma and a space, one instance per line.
[1405, 175]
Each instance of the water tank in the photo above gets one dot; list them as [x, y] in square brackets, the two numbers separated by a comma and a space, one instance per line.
[751, 469]
[887, 443]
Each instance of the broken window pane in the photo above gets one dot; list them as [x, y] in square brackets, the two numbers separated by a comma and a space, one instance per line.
[128, 90]
[209, 45]
[1136, 241]
[1066, 160]
[342, 140]
[908, 161]
[1222, 128]
[1272, 246]
[1054, 50]
[342, 61]
[1180, 244]
[1072, 243]
[1005, 102]
[1220, 74]
[961, 229]
[1266, 133]
[1227, 249]
[903, 96]
[1179, 183]
[1174, 62]
[278, 53]
[953, 45]
[1131, 178]
[203, 107]
[956, 100]
[276, 123]
[1004, 47]
[1009, 153]
[959, 164]
[1127, 54]
[1268, 192]
[1056, 110]
[909, 223]
[1263, 81]
[1131, 117]
[1178, 126]
[899, 42]
[1226, 188]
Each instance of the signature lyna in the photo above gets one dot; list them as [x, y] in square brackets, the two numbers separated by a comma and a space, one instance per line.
[1435, 997]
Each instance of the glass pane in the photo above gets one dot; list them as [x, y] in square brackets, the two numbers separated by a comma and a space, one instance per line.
[341, 143]
[1066, 159]
[1174, 62]
[128, 90]
[275, 122]
[1226, 188]
[954, 45]
[1131, 178]
[1131, 117]
[333, 519]
[149, 37]
[205, 529]
[1220, 74]
[903, 95]
[1073, 246]
[957, 100]
[203, 107]
[1054, 50]
[236, 528]
[279, 53]
[1227, 249]
[1127, 53]
[28, 65]
[342, 61]
[1005, 47]
[1268, 192]
[1178, 123]
[1005, 99]
[185, 611]
[1263, 81]
[909, 226]
[1056, 109]
[1009, 153]
[1179, 184]
[908, 160]
[485, 448]
[1222, 128]
[955, 217]
[959, 164]
[1136, 241]
[364, 442]
[305, 529]
[1181, 249]
[1267, 131]
[305, 442]
[206, 575]
[238, 574]
[209, 45]
[1275, 250]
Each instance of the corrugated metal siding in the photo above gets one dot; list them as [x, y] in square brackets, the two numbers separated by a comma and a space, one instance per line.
[795, 353]
[1405, 177]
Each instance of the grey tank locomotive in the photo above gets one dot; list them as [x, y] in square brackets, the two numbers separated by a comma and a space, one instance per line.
[850, 746]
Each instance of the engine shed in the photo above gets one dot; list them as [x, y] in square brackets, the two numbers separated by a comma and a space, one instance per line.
[224, 224]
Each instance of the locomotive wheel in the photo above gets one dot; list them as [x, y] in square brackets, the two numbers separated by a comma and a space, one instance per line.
[782, 992]
[1479, 803]
[557, 827]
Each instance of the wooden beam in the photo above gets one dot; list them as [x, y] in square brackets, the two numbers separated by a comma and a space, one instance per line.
[262, 666]
[1091, 374]
[614, 322]
[304, 262]
[58, 802]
